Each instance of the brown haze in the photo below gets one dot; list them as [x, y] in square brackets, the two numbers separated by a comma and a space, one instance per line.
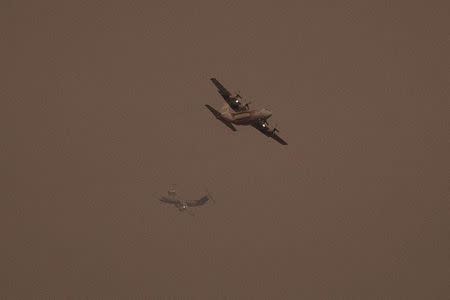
[103, 106]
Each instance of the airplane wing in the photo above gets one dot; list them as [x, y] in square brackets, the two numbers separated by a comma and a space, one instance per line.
[197, 202]
[278, 139]
[263, 127]
[232, 101]
[167, 200]
[218, 117]
[221, 89]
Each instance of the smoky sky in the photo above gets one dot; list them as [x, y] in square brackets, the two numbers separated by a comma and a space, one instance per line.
[103, 107]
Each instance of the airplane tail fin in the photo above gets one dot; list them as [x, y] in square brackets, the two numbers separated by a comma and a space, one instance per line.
[218, 116]
[172, 191]
[208, 194]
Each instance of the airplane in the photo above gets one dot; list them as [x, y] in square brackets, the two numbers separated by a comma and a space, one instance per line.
[182, 204]
[241, 114]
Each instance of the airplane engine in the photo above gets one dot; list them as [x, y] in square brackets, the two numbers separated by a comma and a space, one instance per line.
[270, 130]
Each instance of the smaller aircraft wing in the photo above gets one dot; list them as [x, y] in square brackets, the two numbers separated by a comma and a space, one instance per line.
[167, 200]
[197, 202]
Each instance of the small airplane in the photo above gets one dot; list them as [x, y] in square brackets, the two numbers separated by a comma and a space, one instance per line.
[241, 114]
[182, 204]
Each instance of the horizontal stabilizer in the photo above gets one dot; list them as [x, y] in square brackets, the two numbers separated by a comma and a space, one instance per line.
[218, 116]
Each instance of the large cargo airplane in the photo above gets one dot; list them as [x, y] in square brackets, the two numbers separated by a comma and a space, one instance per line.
[238, 113]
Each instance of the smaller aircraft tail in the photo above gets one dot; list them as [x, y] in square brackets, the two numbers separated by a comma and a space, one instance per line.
[208, 194]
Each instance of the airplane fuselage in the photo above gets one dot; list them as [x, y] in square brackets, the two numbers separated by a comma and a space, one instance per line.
[247, 117]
